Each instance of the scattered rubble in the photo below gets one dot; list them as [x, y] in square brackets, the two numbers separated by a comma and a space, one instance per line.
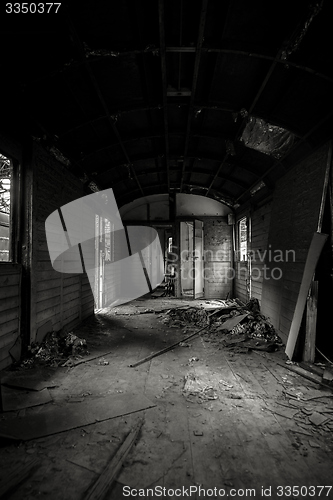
[57, 349]
[197, 390]
[182, 316]
[245, 320]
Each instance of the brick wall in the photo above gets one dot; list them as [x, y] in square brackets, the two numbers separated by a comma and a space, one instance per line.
[294, 219]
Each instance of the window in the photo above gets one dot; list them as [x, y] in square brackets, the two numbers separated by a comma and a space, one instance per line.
[242, 239]
[6, 176]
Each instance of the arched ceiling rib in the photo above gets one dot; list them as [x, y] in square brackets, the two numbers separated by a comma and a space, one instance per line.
[154, 96]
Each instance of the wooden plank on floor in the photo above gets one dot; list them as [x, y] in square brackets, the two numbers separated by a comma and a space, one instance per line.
[250, 385]
[18, 474]
[105, 480]
[311, 324]
[17, 399]
[54, 420]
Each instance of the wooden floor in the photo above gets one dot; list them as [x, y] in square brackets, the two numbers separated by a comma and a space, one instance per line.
[248, 439]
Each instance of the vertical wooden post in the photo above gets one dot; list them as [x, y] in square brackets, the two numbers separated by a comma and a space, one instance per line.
[311, 324]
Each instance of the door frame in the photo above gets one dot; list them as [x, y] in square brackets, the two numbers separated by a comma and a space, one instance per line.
[193, 267]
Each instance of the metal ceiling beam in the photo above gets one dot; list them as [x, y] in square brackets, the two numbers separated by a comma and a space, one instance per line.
[279, 162]
[257, 97]
[78, 103]
[77, 170]
[237, 112]
[144, 173]
[93, 80]
[200, 40]
[236, 52]
[152, 49]
[133, 195]
[238, 165]
[128, 140]
[161, 17]
[279, 56]
[217, 173]
[137, 19]
[197, 106]
[116, 113]
[200, 158]
[230, 7]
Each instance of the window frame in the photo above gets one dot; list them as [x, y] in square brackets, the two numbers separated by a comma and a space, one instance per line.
[12, 258]
[239, 252]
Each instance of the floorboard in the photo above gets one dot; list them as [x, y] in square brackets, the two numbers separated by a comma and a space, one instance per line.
[226, 437]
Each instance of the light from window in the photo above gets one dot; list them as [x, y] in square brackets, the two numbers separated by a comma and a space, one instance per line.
[5, 207]
[242, 238]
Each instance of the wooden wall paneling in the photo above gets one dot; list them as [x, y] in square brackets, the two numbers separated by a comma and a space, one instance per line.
[315, 249]
[10, 309]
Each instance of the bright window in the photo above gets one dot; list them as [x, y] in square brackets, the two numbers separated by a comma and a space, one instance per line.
[242, 239]
[6, 176]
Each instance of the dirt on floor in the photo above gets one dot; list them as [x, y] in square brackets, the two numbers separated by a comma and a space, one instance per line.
[222, 414]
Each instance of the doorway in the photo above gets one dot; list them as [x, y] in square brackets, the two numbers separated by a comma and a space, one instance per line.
[191, 259]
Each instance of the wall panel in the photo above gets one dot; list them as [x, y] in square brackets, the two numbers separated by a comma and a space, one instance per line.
[294, 219]
[55, 296]
[10, 309]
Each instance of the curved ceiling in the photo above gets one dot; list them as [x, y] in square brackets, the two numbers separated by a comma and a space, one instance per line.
[156, 96]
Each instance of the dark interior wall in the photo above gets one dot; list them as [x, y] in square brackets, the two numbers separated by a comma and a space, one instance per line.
[63, 299]
[260, 222]
[10, 281]
[241, 288]
[249, 275]
[294, 219]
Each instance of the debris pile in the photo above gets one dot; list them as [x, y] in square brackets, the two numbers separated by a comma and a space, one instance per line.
[183, 316]
[251, 323]
[257, 327]
[55, 350]
[236, 318]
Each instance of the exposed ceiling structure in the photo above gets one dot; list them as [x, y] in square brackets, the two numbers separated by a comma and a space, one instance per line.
[211, 97]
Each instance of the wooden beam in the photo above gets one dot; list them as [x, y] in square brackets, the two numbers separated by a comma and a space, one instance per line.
[161, 17]
[200, 40]
[80, 49]
[309, 352]
[216, 174]
[170, 347]
[148, 157]
[325, 188]
[105, 480]
[218, 50]
[316, 246]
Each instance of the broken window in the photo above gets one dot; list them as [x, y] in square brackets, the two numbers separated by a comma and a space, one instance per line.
[6, 176]
[242, 239]
[267, 138]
